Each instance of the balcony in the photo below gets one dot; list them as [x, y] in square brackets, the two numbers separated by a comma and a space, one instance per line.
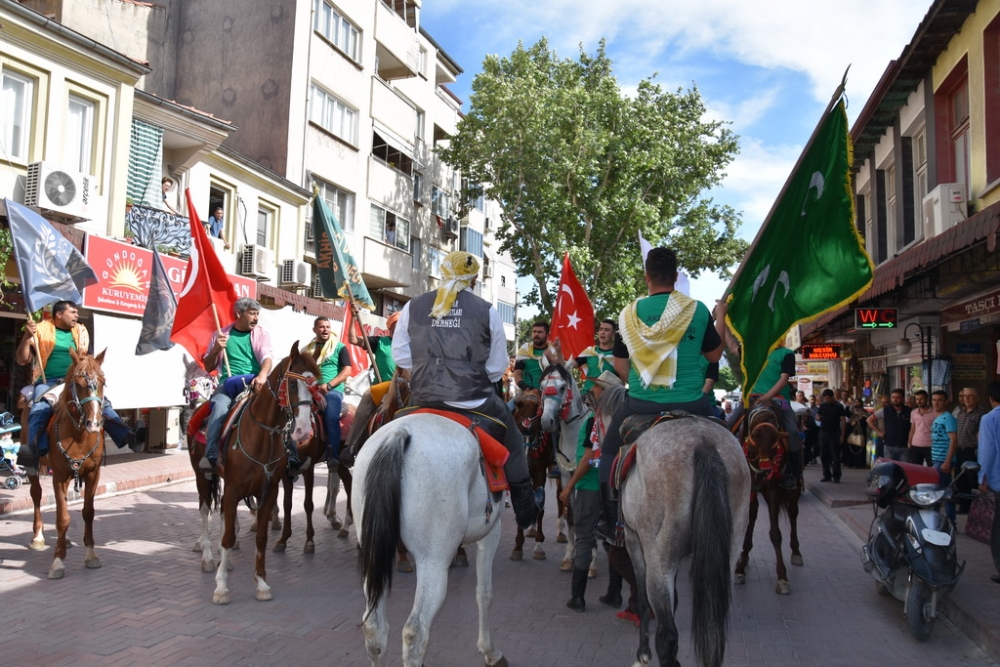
[390, 186]
[153, 228]
[394, 113]
[396, 47]
[385, 265]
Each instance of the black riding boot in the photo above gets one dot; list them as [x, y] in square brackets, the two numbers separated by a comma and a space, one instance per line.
[295, 465]
[613, 598]
[793, 470]
[579, 587]
[522, 500]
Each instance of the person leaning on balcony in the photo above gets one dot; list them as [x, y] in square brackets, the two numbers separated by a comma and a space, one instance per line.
[167, 184]
[214, 224]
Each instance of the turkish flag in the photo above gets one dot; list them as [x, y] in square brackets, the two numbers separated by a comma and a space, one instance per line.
[359, 357]
[206, 285]
[573, 319]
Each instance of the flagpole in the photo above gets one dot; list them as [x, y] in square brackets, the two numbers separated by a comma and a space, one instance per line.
[829, 107]
[218, 328]
[38, 356]
[364, 338]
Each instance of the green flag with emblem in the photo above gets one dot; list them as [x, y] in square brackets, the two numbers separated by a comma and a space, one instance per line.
[337, 269]
[808, 258]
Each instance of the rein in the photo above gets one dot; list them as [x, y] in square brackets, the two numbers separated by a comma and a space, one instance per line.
[760, 419]
[95, 386]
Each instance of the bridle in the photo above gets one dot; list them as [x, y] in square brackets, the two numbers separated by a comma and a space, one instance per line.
[550, 392]
[760, 418]
[527, 424]
[95, 388]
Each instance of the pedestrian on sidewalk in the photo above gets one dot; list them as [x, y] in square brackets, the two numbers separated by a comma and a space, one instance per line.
[832, 432]
[892, 424]
[921, 421]
[944, 443]
[968, 414]
[989, 473]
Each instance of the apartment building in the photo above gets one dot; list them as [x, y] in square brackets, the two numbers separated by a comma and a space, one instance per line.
[927, 185]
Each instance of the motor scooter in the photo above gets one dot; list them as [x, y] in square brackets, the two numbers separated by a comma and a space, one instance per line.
[911, 550]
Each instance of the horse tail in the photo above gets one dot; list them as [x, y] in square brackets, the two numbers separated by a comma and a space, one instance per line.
[380, 525]
[215, 493]
[710, 561]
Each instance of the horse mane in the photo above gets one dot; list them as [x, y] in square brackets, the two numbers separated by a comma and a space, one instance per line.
[611, 399]
[557, 368]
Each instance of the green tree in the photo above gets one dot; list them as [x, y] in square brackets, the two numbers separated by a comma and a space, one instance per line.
[578, 166]
[727, 379]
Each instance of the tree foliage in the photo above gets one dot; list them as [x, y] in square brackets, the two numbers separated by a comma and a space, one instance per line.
[578, 166]
[727, 379]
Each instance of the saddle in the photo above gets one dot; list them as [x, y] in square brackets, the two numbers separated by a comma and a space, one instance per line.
[489, 433]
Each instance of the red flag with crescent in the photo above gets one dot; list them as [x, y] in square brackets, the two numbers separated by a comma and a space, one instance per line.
[359, 357]
[573, 319]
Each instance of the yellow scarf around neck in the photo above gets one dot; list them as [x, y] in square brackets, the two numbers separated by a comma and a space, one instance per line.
[653, 349]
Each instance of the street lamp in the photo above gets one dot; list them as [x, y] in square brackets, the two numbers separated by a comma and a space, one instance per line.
[904, 347]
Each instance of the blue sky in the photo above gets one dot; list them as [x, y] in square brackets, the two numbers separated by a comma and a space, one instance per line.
[768, 66]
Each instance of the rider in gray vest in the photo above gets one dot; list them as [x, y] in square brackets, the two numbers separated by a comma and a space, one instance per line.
[453, 344]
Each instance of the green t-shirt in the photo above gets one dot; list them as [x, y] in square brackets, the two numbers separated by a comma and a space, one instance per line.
[242, 360]
[591, 480]
[690, 366]
[382, 347]
[772, 373]
[531, 374]
[330, 368]
[595, 365]
[60, 361]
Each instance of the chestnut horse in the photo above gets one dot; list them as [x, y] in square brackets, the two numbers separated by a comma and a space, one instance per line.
[763, 445]
[255, 456]
[76, 437]
[527, 414]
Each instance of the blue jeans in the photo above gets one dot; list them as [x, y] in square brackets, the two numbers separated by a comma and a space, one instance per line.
[41, 411]
[221, 401]
[944, 479]
[331, 420]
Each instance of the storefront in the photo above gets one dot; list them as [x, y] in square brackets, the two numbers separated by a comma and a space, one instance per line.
[972, 332]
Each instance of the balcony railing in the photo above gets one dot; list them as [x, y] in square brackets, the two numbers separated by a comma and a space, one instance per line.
[153, 228]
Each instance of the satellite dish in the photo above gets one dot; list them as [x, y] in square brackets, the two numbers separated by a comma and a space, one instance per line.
[60, 188]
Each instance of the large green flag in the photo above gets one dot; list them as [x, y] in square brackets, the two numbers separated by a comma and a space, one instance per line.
[337, 268]
[808, 258]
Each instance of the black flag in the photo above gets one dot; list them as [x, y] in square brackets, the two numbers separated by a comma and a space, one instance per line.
[158, 319]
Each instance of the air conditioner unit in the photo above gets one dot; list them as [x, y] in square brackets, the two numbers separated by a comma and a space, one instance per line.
[317, 288]
[63, 191]
[256, 261]
[294, 273]
[487, 270]
[944, 207]
[450, 228]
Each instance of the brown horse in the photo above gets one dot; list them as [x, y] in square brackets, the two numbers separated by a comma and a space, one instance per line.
[76, 437]
[764, 444]
[527, 413]
[255, 456]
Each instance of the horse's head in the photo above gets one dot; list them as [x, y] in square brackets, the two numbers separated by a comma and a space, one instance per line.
[526, 407]
[298, 385]
[763, 436]
[84, 393]
[557, 389]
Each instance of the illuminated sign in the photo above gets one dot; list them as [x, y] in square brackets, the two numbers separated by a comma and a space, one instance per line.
[875, 318]
[820, 352]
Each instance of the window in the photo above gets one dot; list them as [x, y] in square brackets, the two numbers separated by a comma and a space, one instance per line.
[471, 240]
[415, 251]
[418, 188]
[890, 199]
[333, 115]
[506, 311]
[503, 281]
[958, 122]
[440, 202]
[391, 155]
[341, 204]
[920, 170]
[389, 228]
[475, 192]
[435, 256]
[263, 225]
[18, 92]
[342, 33]
[79, 139]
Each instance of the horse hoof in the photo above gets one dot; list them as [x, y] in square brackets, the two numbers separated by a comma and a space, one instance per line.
[93, 563]
[197, 546]
[38, 545]
[561, 538]
[530, 532]
[538, 555]
[740, 578]
[797, 559]
[404, 566]
[264, 595]
[57, 573]
[309, 548]
[516, 555]
[208, 566]
[783, 588]
[220, 598]
[592, 574]
[279, 548]
[566, 566]
[502, 662]
[344, 533]
[336, 523]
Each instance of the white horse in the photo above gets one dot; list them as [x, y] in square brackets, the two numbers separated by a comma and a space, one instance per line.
[689, 494]
[563, 408]
[418, 479]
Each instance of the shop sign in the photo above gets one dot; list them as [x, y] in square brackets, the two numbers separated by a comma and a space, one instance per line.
[968, 367]
[972, 309]
[123, 273]
[969, 348]
[970, 325]
[875, 318]
[818, 352]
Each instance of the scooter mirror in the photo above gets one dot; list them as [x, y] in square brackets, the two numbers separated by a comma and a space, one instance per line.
[970, 467]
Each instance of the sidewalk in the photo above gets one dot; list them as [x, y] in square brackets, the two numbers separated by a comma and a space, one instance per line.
[974, 604]
[126, 472]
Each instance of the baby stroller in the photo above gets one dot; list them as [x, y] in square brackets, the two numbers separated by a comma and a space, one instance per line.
[7, 428]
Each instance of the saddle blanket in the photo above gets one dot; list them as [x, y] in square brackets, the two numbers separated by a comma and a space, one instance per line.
[494, 453]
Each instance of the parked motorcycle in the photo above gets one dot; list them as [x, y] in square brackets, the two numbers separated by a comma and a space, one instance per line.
[911, 545]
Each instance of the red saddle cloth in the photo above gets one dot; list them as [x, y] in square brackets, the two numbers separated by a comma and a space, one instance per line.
[622, 466]
[494, 453]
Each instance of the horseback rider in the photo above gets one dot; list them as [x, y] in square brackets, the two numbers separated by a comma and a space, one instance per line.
[454, 346]
[381, 346]
[334, 363]
[55, 339]
[532, 359]
[247, 345]
[598, 358]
